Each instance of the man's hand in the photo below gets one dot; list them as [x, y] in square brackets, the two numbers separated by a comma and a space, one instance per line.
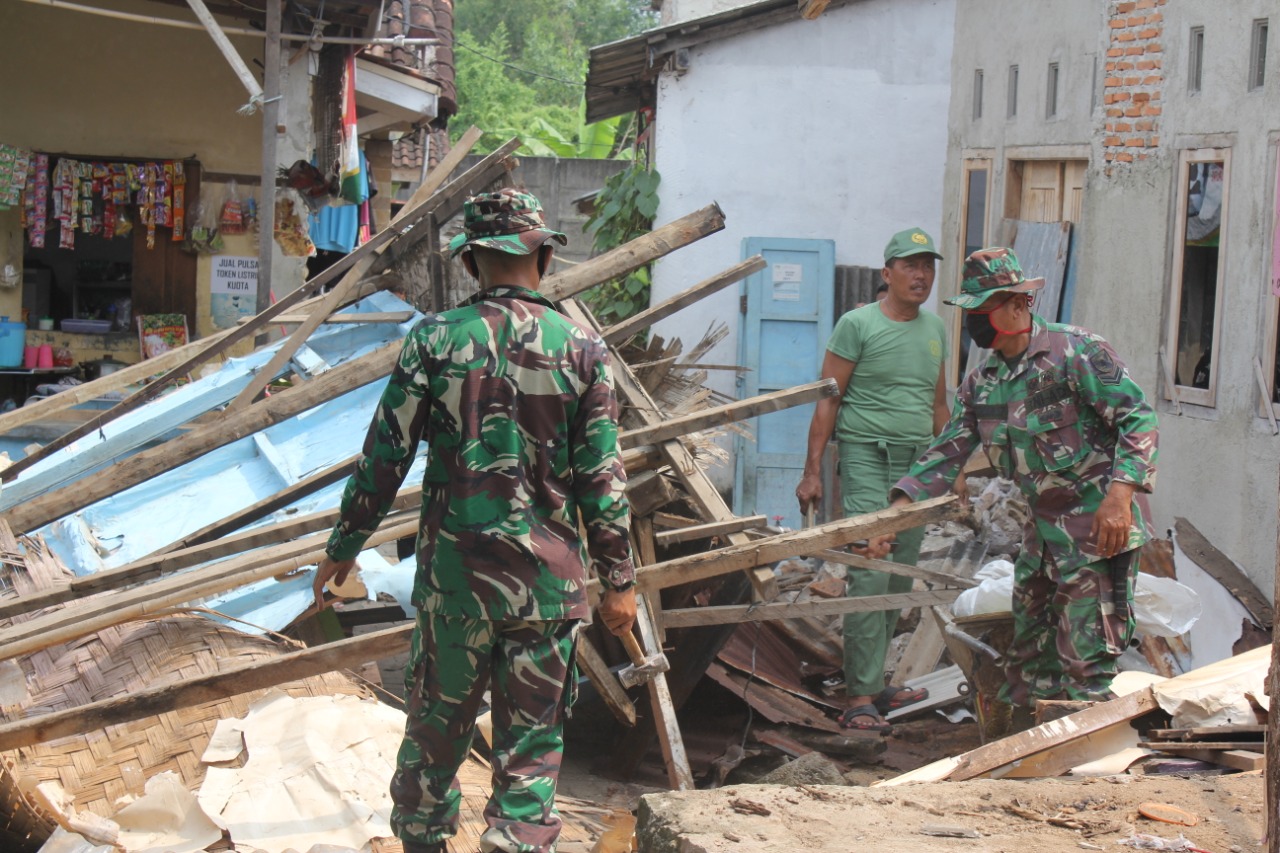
[809, 492]
[329, 569]
[878, 548]
[961, 488]
[1111, 523]
[618, 610]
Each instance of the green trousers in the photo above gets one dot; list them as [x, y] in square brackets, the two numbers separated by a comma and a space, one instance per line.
[867, 473]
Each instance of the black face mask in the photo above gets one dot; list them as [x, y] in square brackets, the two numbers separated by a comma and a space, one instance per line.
[980, 329]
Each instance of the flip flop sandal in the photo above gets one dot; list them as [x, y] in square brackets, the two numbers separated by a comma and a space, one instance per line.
[849, 720]
[893, 698]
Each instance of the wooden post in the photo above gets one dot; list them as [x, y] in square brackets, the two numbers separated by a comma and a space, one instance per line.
[1272, 813]
[270, 140]
[679, 774]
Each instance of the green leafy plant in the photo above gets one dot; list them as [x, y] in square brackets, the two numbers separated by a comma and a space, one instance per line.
[625, 208]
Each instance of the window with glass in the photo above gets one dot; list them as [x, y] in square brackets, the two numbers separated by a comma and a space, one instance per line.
[1258, 55]
[977, 94]
[1051, 91]
[973, 236]
[1195, 60]
[1013, 91]
[1196, 284]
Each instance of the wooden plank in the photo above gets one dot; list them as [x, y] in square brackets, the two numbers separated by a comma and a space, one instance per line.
[1180, 747]
[1237, 759]
[800, 609]
[70, 623]
[844, 558]
[648, 492]
[371, 317]
[632, 255]
[87, 391]
[622, 331]
[645, 458]
[338, 295]
[606, 684]
[741, 410]
[702, 492]
[1222, 569]
[992, 756]
[190, 692]
[706, 531]
[1207, 732]
[135, 469]
[679, 773]
[923, 652]
[770, 549]
[1041, 248]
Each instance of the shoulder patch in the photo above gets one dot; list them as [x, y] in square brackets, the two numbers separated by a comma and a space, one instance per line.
[1105, 367]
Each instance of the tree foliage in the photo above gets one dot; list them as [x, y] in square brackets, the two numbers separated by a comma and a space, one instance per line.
[521, 69]
[625, 208]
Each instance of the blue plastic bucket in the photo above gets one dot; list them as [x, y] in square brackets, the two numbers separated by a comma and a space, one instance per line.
[12, 338]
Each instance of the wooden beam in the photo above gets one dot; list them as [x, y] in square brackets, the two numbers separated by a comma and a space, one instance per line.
[132, 470]
[263, 508]
[844, 558]
[775, 401]
[1222, 569]
[1237, 759]
[812, 9]
[396, 317]
[621, 332]
[190, 692]
[992, 756]
[632, 255]
[83, 393]
[679, 774]
[802, 609]
[770, 549]
[71, 623]
[646, 458]
[706, 531]
[424, 195]
[648, 492]
[159, 565]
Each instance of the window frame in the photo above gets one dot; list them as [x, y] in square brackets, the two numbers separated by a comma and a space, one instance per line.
[1170, 390]
[971, 161]
[977, 93]
[1195, 61]
[1258, 54]
[1053, 79]
[1011, 92]
[1272, 260]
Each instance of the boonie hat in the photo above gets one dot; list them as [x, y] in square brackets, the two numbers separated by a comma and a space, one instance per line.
[913, 241]
[991, 271]
[508, 220]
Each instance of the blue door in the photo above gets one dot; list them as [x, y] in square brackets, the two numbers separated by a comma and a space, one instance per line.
[782, 341]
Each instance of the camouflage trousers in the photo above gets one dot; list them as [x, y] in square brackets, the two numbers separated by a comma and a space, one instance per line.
[530, 671]
[1068, 628]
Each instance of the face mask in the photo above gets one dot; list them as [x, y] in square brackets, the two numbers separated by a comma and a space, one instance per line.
[983, 332]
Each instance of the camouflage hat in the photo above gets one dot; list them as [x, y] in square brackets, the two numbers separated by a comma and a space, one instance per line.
[991, 271]
[913, 241]
[507, 220]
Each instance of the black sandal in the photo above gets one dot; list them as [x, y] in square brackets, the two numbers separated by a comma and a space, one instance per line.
[848, 719]
[892, 698]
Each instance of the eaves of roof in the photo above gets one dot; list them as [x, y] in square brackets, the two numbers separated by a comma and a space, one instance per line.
[621, 75]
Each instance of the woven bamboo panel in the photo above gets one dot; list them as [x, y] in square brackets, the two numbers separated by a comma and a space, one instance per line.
[100, 766]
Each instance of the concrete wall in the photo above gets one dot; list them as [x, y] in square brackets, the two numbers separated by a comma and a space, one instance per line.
[100, 87]
[830, 129]
[1219, 464]
[684, 10]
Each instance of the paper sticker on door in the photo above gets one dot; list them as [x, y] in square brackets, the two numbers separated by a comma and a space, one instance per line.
[786, 282]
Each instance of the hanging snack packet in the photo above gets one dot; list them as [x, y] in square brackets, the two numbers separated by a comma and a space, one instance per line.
[231, 221]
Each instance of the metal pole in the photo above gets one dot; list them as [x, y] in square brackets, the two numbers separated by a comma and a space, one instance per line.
[270, 135]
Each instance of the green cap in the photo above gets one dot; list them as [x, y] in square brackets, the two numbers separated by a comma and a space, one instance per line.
[508, 220]
[913, 241]
[991, 271]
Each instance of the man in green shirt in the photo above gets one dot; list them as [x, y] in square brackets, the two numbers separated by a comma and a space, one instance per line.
[887, 358]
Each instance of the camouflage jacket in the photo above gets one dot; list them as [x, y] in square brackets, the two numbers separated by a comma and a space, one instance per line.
[516, 404]
[1062, 423]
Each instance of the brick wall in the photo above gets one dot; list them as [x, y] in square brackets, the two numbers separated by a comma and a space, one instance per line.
[1134, 79]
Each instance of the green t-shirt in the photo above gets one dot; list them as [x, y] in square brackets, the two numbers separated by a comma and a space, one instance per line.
[896, 365]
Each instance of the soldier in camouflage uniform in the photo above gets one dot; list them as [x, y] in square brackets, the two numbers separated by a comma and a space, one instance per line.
[517, 406]
[1056, 411]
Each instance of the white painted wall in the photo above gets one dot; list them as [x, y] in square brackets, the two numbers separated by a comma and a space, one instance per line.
[832, 129]
[684, 10]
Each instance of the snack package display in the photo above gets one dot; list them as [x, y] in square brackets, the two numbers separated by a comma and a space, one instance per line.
[291, 229]
[231, 219]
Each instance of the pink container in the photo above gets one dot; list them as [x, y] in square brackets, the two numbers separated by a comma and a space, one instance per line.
[44, 357]
[29, 357]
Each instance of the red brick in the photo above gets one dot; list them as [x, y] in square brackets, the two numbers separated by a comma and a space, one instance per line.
[1110, 155]
[1141, 126]
[1136, 22]
[1150, 110]
[1146, 65]
[1117, 24]
[1124, 158]
[1133, 112]
[1147, 4]
[1132, 81]
[1155, 18]
[1155, 47]
[1133, 50]
[1125, 36]
[1153, 141]
[1153, 80]
[1111, 140]
[1135, 142]
[1111, 81]
[1111, 66]
[1125, 8]
[1114, 112]
[1124, 66]
[1123, 127]
[1141, 97]
[1149, 33]
[1120, 96]
[1115, 51]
